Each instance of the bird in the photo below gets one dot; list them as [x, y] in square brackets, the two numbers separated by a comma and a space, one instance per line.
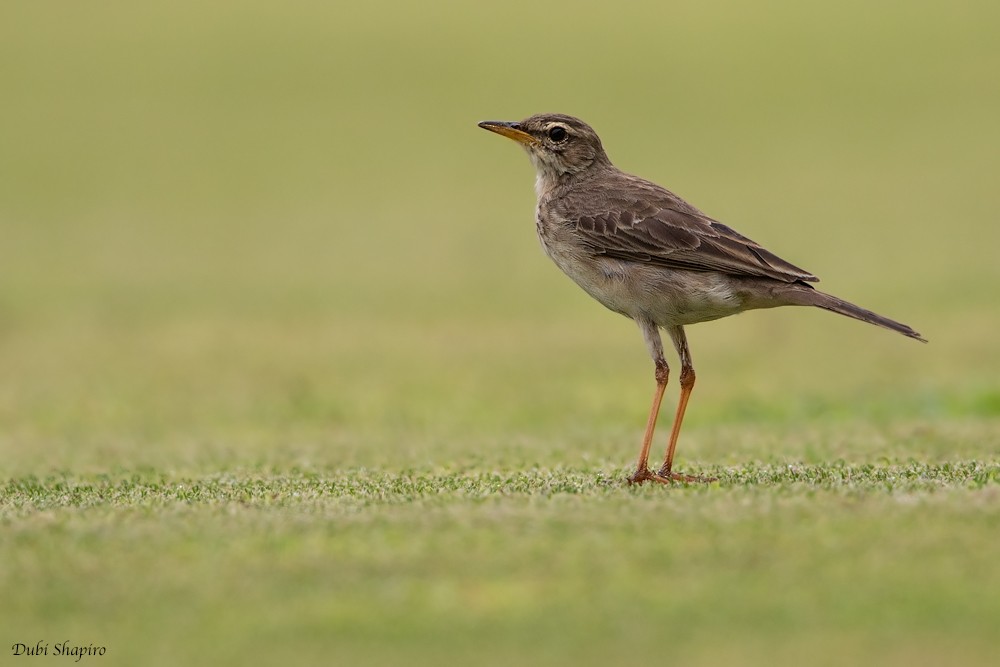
[643, 252]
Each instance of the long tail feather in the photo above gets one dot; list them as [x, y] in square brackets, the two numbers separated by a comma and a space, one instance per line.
[807, 296]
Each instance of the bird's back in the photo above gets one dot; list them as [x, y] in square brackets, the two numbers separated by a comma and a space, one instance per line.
[618, 215]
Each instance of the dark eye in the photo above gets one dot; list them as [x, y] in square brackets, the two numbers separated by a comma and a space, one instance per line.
[557, 133]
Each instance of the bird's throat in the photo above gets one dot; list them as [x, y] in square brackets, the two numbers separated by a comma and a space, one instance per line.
[546, 177]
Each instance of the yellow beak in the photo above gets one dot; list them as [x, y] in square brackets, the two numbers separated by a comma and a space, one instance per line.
[510, 130]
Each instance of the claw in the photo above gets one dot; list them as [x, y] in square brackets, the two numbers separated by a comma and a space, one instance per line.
[640, 476]
[686, 479]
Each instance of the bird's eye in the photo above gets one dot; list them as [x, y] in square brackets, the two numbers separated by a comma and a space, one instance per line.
[557, 133]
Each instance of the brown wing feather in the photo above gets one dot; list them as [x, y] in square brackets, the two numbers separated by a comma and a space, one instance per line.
[639, 221]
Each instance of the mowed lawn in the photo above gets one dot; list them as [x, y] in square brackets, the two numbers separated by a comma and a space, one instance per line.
[285, 379]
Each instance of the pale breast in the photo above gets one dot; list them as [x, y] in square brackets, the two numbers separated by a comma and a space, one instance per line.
[666, 296]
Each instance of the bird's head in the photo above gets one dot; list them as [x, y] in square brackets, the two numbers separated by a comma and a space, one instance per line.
[558, 145]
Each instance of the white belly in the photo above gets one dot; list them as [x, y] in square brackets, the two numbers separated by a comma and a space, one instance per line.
[665, 296]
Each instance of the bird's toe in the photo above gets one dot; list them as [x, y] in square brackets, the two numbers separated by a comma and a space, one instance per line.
[671, 476]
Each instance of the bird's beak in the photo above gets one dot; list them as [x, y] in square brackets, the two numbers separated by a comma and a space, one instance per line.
[510, 130]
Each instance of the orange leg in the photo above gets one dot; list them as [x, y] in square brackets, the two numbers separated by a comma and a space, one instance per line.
[687, 384]
[651, 333]
[642, 472]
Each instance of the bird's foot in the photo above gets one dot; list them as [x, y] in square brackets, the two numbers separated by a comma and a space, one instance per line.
[671, 476]
[640, 476]
[667, 477]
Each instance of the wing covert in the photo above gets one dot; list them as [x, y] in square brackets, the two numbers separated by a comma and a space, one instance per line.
[666, 231]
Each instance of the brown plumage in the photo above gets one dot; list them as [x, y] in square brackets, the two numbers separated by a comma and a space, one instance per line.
[644, 252]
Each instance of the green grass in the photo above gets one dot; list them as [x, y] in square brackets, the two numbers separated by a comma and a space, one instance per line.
[284, 377]
[826, 564]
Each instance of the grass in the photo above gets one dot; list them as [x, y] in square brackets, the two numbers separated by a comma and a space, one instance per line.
[784, 561]
[285, 377]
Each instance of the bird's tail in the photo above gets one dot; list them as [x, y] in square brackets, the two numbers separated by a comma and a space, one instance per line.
[805, 295]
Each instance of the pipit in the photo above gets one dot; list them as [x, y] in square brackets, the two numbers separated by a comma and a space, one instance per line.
[644, 252]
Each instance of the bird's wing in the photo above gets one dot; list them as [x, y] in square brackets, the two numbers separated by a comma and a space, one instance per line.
[652, 225]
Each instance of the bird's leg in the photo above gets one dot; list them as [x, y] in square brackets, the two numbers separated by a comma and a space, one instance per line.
[642, 471]
[687, 384]
[651, 334]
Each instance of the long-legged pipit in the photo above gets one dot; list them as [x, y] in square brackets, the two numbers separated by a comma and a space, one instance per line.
[644, 252]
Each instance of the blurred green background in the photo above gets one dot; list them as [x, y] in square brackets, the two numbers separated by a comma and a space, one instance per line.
[253, 236]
